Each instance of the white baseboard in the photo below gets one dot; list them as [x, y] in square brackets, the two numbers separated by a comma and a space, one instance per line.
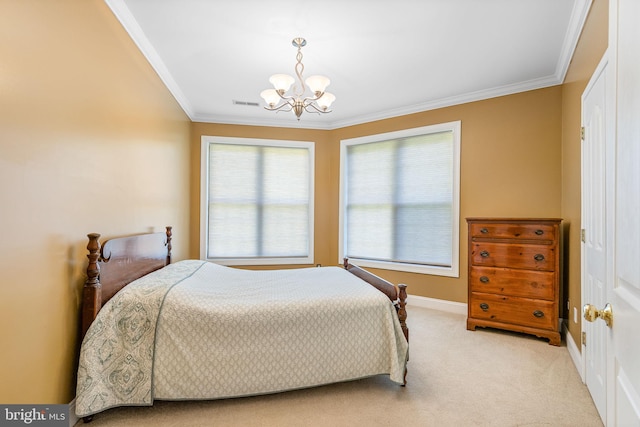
[73, 418]
[574, 351]
[437, 304]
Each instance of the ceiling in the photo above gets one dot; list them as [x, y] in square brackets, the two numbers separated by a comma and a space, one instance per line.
[385, 58]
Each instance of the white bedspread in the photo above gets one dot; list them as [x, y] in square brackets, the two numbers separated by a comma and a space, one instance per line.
[197, 330]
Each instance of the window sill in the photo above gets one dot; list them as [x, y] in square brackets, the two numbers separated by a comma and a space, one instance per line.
[260, 261]
[452, 271]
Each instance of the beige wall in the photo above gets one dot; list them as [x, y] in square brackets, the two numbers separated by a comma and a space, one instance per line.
[90, 141]
[591, 47]
[510, 164]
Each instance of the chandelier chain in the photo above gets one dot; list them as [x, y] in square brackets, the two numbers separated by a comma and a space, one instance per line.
[299, 70]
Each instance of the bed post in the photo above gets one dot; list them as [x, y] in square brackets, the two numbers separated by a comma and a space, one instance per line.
[402, 312]
[398, 296]
[402, 316]
[168, 245]
[91, 292]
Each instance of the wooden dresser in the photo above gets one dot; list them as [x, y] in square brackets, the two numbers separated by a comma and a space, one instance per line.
[514, 275]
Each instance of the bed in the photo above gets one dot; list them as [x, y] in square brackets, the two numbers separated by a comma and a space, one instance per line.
[195, 330]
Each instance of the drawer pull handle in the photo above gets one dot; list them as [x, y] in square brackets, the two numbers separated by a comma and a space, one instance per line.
[484, 279]
[484, 230]
[484, 254]
[539, 232]
[538, 313]
[538, 257]
[484, 306]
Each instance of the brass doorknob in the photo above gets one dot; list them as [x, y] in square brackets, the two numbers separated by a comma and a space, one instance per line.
[591, 313]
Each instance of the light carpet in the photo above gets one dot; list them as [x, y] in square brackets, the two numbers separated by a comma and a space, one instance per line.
[456, 378]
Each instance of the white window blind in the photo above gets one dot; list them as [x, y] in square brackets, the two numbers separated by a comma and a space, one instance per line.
[259, 201]
[400, 200]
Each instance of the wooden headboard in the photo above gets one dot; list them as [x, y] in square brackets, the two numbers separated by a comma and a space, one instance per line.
[117, 263]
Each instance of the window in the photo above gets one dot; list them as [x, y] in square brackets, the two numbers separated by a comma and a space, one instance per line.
[257, 201]
[399, 200]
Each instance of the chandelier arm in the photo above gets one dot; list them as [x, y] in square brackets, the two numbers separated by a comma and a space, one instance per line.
[286, 98]
[314, 98]
[286, 111]
[280, 107]
[313, 105]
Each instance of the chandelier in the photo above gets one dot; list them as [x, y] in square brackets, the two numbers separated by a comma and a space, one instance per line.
[278, 100]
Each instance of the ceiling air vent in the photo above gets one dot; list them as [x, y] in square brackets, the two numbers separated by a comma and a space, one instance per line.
[247, 103]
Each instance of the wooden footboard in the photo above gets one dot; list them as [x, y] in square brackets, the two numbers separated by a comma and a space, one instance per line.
[397, 296]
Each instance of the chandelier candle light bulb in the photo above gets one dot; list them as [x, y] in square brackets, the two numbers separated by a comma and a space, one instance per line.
[278, 100]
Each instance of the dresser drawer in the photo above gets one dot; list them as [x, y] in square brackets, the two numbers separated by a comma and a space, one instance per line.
[513, 310]
[507, 281]
[533, 257]
[513, 231]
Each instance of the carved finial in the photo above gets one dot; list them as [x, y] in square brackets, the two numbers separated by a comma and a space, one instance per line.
[402, 311]
[93, 269]
[168, 244]
[402, 316]
[91, 292]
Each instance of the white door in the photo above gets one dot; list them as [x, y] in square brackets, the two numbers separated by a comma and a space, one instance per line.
[597, 127]
[623, 406]
[616, 343]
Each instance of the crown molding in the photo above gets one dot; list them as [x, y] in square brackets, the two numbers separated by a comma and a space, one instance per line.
[124, 15]
[578, 17]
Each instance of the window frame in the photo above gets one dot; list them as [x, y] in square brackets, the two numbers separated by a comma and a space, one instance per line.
[206, 141]
[454, 269]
